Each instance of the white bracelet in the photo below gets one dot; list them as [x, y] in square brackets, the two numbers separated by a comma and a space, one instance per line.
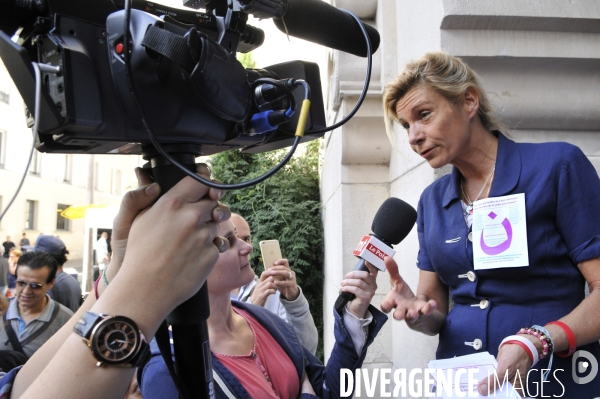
[528, 343]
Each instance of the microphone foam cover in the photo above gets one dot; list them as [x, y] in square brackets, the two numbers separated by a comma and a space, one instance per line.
[394, 220]
[321, 23]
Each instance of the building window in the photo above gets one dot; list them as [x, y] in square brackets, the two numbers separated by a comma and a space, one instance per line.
[116, 182]
[30, 214]
[36, 163]
[4, 97]
[61, 222]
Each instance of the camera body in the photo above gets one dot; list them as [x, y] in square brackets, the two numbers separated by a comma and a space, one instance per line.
[89, 107]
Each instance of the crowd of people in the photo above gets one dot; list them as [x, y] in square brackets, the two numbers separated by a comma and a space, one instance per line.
[262, 334]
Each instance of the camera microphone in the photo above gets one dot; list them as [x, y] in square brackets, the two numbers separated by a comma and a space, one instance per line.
[392, 223]
[324, 24]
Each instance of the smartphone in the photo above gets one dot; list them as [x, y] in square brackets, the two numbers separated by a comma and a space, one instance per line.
[270, 252]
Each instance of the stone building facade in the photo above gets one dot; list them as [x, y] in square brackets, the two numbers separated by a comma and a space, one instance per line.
[540, 64]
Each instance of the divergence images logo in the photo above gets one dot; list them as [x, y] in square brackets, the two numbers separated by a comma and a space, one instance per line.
[582, 367]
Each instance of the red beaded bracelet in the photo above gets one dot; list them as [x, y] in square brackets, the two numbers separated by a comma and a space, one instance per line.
[546, 342]
[570, 338]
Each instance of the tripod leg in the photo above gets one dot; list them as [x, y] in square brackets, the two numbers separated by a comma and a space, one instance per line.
[190, 330]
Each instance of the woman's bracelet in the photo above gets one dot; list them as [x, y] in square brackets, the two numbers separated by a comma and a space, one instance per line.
[547, 345]
[96, 288]
[524, 343]
[570, 338]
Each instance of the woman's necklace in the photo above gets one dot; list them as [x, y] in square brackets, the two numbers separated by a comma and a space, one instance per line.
[469, 208]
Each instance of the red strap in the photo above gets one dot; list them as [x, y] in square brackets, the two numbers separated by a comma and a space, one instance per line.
[96, 288]
[522, 345]
[570, 337]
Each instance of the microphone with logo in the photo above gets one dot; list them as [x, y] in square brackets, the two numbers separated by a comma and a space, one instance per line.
[392, 223]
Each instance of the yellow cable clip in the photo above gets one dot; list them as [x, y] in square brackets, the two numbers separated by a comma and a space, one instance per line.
[302, 119]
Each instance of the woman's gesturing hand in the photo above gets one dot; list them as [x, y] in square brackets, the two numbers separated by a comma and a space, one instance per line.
[408, 306]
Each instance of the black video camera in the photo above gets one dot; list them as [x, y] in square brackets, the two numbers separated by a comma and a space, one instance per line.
[191, 87]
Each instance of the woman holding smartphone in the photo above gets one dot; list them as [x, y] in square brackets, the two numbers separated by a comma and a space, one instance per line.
[258, 355]
[276, 289]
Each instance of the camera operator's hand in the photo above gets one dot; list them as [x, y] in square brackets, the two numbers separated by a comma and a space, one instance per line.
[167, 273]
[134, 202]
[156, 275]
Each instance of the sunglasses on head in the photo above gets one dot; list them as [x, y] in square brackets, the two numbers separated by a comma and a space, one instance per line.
[34, 286]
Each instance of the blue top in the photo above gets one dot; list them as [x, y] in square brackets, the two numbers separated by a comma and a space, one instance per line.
[155, 381]
[563, 228]
[67, 291]
[12, 280]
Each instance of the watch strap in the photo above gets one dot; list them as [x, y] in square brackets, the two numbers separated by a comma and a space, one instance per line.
[143, 355]
[86, 324]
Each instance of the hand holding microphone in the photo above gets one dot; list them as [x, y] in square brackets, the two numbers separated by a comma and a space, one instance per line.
[392, 223]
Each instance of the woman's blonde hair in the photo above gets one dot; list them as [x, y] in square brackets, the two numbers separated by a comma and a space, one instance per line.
[16, 252]
[449, 76]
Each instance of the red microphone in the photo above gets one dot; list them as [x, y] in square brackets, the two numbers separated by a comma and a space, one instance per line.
[392, 223]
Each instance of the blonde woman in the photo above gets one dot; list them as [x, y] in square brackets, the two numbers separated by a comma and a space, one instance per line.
[515, 313]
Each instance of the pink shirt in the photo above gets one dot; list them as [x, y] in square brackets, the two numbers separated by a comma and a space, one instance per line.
[267, 371]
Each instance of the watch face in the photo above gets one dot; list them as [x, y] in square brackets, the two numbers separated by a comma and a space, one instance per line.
[115, 340]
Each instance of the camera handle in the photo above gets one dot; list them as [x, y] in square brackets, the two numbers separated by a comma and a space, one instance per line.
[193, 358]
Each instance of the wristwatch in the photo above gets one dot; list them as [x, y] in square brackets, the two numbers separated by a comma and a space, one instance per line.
[114, 340]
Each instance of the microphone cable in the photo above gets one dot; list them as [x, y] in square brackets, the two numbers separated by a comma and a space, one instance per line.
[363, 94]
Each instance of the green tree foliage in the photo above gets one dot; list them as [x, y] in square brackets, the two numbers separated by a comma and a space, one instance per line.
[285, 207]
[247, 60]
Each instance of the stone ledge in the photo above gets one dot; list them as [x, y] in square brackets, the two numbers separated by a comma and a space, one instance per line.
[575, 9]
[490, 43]
[521, 23]
[542, 93]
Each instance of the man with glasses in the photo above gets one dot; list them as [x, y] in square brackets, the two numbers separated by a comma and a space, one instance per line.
[286, 300]
[66, 289]
[32, 317]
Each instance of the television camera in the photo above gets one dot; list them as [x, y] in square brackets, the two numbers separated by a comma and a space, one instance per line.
[189, 84]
